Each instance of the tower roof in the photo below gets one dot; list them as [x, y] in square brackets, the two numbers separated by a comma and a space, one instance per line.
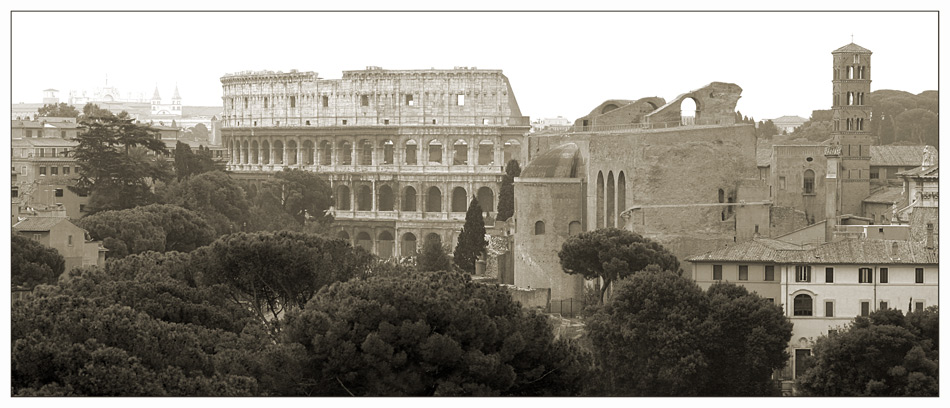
[560, 162]
[852, 48]
[176, 96]
[156, 95]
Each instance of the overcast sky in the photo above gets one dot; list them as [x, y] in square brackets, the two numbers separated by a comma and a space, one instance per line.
[558, 63]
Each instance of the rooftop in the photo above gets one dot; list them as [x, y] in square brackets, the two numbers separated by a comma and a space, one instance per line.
[560, 162]
[848, 251]
[905, 156]
[888, 195]
[931, 172]
[852, 48]
[38, 224]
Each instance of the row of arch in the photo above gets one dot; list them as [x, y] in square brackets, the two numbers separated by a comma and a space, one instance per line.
[611, 199]
[408, 200]
[850, 98]
[850, 124]
[384, 246]
[365, 152]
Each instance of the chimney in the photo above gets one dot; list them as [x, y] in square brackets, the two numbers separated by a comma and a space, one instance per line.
[894, 251]
[930, 235]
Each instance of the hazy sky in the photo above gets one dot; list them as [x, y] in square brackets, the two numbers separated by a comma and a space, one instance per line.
[558, 63]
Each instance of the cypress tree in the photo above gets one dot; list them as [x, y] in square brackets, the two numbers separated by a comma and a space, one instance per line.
[471, 241]
[433, 257]
[506, 197]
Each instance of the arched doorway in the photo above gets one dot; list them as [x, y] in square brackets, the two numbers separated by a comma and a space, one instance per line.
[385, 245]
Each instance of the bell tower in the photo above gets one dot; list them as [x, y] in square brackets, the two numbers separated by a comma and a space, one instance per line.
[851, 109]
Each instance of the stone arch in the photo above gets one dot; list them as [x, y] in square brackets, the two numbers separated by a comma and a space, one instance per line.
[385, 244]
[539, 228]
[364, 200]
[385, 198]
[365, 241]
[434, 200]
[343, 235]
[244, 159]
[611, 201]
[486, 153]
[574, 228]
[412, 153]
[366, 152]
[621, 195]
[608, 108]
[265, 152]
[512, 150]
[460, 152]
[292, 152]
[278, 152]
[434, 236]
[344, 153]
[409, 199]
[255, 153]
[599, 214]
[325, 152]
[388, 152]
[435, 151]
[308, 152]
[459, 200]
[343, 197]
[689, 111]
[486, 199]
[803, 305]
[408, 245]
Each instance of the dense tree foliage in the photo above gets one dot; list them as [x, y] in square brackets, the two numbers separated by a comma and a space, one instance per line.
[114, 164]
[471, 241]
[292, 199]
[270, 272]
[612, 254]
[506, 197]
[33, 263]
[134, 330]
[766, 129]
[155, 227]
[430, 334]
[189, 163]
[61, 110]
[92, 111]
[661, 335]
[433, 256]
[884, 354]
[215, 196]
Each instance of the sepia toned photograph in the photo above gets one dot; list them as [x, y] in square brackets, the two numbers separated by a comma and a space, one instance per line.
[474, 204]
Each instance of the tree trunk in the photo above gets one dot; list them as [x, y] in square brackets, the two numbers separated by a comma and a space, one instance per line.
[603, 290]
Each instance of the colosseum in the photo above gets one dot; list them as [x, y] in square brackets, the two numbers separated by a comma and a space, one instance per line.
[404, 150]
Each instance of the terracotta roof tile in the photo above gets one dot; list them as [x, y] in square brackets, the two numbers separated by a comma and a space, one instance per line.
[906, 156]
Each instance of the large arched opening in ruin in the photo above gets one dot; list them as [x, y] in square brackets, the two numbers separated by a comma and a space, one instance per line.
[689, 111]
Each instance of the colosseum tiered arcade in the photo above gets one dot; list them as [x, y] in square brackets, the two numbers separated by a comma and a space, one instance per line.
[404, 150]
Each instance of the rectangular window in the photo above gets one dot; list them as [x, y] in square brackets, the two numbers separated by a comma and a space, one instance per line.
[919, 275]
[65, 169]
[874, 174]
[717, 272]
[865, 308]
[770, 300]
[832, 332]
[16, 192]
[385, 121]
[364, 100]
[53, 171]
[326, 101]
[864, 275]
[770, 273]
[883, 305]
[781, 183]
[344, 121]
[409, 101]
[919, 307]
[293, 101]
[29, 133]
[829, 308]
[82, 208]
[829, 275]
[743, 272]
[41, 152]
[69, 240]
[245, 102]
[883, 273]
[59, 192]
[36, 237]
[42, 170]
[802, 273]
[460, 100]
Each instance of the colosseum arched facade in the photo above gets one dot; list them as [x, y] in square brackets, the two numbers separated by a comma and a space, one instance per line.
[404, 150]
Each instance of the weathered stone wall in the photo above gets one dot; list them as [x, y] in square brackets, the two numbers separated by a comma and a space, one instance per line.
[787, 173]
[784, 220]
[752, 220]
[534, 298]
[715, 105]
[620, 112]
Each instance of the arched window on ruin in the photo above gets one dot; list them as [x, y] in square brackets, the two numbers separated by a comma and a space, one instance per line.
[850, 98]
[325, 153]
[265, 152]
[409, 199]
[364, 241]
[599, 214]
[412, 151]
[308, 152]
[407, 246]
[689, 112]
[245, 159]
[292, 152]
[385, 245]
[611, 201]
[278, 152]
[486, 153]
[364, 201]
[861, 72]
[344, 154]
[808, 185]
[459, 200]
[539, 228]
[608, 108]
[255, 153]
[434, 237]
[366, 153]
[512, 151]
[434, 200]
[343, 235]
[486, 199]
[460, 153]
[385, 198]
[574, 228]
[343, 198]
[621, 196]
[435, 151]
[850, 72]
[388, 152]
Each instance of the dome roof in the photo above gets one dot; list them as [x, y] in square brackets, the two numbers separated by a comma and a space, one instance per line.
[563, 161]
